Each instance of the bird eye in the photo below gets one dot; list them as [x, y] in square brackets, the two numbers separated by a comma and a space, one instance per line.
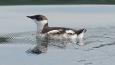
[39, 18]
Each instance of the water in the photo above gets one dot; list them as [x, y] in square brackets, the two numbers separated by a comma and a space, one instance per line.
[18, 35]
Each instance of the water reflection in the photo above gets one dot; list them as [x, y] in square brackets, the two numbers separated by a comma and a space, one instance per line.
[95, 39]
[43, 42]
[41, 47]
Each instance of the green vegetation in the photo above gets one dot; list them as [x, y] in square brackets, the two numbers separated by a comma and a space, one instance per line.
[39, 2]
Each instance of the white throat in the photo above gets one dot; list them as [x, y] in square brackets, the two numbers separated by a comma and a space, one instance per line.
[40, 25]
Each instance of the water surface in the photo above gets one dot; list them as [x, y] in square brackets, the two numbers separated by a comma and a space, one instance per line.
[18, 34]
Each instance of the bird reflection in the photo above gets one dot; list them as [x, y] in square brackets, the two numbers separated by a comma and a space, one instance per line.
[42, 45]
[44, 42]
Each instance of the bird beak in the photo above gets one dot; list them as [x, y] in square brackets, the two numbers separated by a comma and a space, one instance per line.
[28, 16]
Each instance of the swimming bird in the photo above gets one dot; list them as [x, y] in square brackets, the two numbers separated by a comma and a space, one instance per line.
[57, 33]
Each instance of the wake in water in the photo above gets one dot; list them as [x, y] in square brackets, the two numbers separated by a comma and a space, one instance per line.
[3, 39]
[95, 38]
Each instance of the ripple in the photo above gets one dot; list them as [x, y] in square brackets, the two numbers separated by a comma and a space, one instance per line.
[4, 39]
[103, 45]
[88, 63]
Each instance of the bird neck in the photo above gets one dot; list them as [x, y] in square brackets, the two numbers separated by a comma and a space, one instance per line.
[42, 28]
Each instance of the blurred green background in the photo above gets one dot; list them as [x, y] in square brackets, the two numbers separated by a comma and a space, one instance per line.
[42, 2]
